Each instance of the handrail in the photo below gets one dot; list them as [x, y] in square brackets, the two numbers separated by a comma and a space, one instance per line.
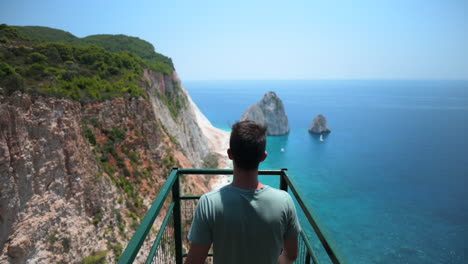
[172, 184]
[139, 237]
[330, 247]
[309, 247]
[154, 248]
[177, 220]
[224, 171]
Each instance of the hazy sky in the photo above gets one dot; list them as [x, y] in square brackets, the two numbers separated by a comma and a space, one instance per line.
[329, 39]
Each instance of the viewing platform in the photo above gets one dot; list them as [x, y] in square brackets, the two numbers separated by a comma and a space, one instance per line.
[174, 212]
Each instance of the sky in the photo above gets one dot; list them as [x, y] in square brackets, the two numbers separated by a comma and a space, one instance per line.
[269, 40]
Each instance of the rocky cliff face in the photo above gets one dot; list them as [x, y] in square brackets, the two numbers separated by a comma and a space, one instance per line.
[319, 125]
[180, 121]
[270, 112]
[75, 179]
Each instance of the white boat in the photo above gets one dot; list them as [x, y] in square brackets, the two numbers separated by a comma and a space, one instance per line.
[321, 138]
[282, 149]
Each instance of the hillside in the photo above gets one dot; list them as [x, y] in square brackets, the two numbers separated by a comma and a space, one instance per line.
[81, 72]
[87, 138]
[45, 34]
[112, 43]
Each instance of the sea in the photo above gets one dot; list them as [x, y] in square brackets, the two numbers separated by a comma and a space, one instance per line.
[389, 183]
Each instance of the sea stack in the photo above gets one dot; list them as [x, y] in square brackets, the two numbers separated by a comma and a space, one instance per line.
[319, 125]
[270, 112]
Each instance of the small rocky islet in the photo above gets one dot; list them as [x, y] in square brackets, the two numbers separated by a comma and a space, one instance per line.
[270, 112]
[319, 125]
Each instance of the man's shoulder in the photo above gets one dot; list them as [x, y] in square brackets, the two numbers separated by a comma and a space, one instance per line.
[213, 194]
[266, 191]
[275, 191]
[276, 194]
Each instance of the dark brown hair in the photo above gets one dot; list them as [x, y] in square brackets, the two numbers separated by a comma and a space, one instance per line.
[247, 144]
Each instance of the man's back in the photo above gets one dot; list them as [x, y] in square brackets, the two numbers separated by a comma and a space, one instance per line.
[245, 226]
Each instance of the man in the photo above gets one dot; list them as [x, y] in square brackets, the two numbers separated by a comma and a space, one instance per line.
[246, 221]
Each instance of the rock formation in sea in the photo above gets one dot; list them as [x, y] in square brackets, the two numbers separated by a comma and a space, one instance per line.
[319, 125]
[270, 112]
[77, 177]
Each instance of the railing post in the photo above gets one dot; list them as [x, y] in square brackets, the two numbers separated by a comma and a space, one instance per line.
[307, 260]
[177, 219]
[283, 183]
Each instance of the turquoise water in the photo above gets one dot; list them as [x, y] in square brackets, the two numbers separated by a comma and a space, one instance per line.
[389, 182]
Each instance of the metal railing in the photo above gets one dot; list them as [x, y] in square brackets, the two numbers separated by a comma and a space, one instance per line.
[169, 243]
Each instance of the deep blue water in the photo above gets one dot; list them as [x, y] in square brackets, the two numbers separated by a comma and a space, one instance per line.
[390, 181]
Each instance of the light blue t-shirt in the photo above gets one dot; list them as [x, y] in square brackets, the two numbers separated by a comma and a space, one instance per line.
[245, 226]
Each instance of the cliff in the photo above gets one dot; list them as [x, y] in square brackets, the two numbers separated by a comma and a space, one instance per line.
[77, 174]
[270, 112]
[319, 125]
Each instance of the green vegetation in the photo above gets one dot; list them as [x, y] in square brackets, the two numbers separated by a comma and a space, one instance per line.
[89, 135]
[8, 33]
[54, 62]
[126, 180]
[210, 161]
[95, 258]
[134, 225]
[108, 169]
[160, 66]
[63, 70]
[9, 78]
[112, 43]
[174, 99]
[45, 34]
[133, 216]
[115, 246]
[52, 237]
[171, 137]
[104, 152]
[134, 157]
[121, 223]
[168, 160]
[97, 218]
[115, 137]
[66, 244]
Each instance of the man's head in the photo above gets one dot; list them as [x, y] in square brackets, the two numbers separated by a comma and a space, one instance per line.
[247, 144]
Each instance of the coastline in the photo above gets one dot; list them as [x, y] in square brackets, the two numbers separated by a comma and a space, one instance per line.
[218, 142]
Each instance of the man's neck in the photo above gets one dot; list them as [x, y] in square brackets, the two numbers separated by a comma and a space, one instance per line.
[246, 179]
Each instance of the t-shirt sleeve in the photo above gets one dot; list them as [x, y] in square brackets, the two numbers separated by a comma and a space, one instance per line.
[293, 227]
[201, 231]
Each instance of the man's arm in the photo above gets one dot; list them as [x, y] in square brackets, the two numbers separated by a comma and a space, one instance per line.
[197, 254]
[200, 234]
[289, 253]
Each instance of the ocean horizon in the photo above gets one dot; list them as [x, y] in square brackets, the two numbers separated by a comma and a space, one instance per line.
[389, 181]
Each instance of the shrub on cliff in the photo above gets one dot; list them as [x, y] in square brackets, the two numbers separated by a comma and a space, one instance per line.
[112, 43]
[54, 62]
[96, 258]
[10, 79]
